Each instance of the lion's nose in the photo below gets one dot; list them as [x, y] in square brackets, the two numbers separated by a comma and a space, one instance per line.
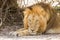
[32, 30]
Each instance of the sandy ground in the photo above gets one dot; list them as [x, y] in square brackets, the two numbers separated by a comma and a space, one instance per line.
[40, 37]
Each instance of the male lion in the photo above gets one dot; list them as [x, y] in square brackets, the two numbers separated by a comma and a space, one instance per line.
[38, 18]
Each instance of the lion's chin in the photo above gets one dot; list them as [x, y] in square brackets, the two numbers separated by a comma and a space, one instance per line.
[33, 33]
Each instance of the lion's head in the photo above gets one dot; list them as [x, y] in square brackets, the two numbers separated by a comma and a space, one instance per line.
[38, 16]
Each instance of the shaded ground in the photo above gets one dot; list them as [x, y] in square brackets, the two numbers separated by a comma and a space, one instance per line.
[12, 20]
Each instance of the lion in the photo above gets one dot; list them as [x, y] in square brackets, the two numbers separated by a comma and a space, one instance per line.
[39, 19]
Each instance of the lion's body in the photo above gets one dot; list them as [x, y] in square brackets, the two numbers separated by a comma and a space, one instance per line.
[36, 19]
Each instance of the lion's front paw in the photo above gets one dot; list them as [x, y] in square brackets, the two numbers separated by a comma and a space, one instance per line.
[16, 34]
[20, 33]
